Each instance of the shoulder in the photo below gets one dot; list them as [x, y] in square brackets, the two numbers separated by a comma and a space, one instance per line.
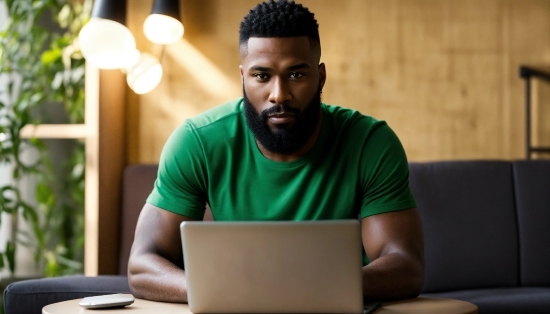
[213, 131]
[218, 115]
[215, 122]
[361, 136]
[345, 120]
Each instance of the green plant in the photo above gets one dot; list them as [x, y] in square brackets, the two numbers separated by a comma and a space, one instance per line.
[43, 66]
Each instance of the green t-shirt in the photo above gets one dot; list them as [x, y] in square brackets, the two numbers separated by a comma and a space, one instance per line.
[357, 167]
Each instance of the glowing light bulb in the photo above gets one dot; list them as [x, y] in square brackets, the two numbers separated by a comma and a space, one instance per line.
[162, 29]
[145, 75]
[106, 44]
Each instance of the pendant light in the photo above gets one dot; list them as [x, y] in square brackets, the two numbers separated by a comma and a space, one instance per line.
[145, 74]
[163, 26]
[105, 41]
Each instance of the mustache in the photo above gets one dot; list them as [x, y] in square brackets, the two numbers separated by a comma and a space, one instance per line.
[280, 109]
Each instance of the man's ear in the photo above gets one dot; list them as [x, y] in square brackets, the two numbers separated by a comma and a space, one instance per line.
[241, 70]
[322, 75]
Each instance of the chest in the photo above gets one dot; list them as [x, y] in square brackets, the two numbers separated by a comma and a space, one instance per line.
[313, 191]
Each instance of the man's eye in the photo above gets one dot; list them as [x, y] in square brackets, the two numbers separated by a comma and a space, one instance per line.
[296, 75]
[261, 76]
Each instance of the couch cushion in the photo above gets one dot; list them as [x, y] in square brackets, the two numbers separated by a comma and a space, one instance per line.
[532, 184]
[137, 184]
[503, 300]
[469, 223]
[30, 296]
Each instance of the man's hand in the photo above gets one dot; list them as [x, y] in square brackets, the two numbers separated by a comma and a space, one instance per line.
[152, 270]
[395, 246]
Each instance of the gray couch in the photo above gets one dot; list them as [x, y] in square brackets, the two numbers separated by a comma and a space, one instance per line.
[487, 232]
[486, 227]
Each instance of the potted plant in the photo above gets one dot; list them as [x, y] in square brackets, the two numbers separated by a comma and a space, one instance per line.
[42, 65]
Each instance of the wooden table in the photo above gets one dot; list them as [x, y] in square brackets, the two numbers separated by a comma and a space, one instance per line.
[410, 306]
[427, 306]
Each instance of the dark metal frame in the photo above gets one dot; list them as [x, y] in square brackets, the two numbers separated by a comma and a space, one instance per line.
[527, 73]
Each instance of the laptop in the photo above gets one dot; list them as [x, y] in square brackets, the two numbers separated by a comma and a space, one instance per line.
[273, 267]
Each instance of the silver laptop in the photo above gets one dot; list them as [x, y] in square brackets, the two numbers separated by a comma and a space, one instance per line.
[273, 267]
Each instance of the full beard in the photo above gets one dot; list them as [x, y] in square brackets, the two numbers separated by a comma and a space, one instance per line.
[285, 139]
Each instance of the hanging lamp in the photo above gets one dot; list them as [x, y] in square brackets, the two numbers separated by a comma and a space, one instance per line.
[163, 26]
[105, 41]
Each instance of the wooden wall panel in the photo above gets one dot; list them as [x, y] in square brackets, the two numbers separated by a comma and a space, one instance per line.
[442, 73]
[540, 116]
[105, 161]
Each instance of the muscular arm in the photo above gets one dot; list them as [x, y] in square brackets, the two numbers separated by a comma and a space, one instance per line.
[395, 246]
[152, 273]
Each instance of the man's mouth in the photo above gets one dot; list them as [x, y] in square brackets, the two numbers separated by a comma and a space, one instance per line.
[281, 117]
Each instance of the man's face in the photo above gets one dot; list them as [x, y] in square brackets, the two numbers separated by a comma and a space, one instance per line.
[282, 82]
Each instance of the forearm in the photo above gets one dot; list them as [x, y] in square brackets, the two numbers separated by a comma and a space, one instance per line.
[392, 277]
[153, 277]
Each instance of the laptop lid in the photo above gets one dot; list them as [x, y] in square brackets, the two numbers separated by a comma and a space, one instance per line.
[273, 267]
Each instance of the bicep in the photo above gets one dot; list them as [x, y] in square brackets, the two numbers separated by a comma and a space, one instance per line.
[384, 174]
[158, 232]
[393, 232]
[181, 184]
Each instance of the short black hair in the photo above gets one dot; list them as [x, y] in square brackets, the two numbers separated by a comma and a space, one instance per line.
[281, 18]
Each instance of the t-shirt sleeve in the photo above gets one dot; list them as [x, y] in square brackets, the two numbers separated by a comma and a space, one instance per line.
[384, 173]
[181, 184]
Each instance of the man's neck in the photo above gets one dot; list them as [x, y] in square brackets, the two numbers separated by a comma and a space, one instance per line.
[301, 152]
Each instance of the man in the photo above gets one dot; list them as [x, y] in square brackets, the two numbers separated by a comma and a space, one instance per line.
[280, 154]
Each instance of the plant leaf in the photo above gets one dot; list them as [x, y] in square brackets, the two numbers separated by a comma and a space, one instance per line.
[1, 261]
[44, 194]
[50, 56]
[64, 15]
[10, 255]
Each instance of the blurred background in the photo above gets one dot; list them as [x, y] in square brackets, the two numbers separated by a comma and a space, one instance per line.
[442, 73]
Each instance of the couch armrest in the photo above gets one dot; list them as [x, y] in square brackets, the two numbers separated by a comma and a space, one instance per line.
[30, 296]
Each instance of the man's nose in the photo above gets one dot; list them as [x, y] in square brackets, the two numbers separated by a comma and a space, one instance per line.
[280, 92]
